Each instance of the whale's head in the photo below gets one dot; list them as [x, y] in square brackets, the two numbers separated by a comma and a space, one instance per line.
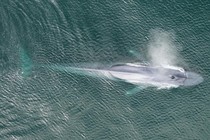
[192, 79]
[180, 77]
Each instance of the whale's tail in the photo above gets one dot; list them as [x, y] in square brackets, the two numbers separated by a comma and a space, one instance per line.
[26, 62]
[26, 65]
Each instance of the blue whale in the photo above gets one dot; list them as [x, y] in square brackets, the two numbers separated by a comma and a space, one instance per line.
[140, 74]
[135, 73]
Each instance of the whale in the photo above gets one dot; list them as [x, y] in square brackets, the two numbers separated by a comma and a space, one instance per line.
[139, 74]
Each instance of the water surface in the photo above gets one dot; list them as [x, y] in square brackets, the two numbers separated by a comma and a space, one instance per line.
[47, 104]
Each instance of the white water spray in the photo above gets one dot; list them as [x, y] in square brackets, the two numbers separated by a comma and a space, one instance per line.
[162, 50]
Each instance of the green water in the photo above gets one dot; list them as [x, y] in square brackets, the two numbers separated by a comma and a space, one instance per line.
[48, 104]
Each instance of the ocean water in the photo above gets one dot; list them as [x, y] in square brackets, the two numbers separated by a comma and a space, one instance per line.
[40, 103]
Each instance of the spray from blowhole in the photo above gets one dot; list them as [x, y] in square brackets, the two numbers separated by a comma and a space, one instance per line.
[162, 49]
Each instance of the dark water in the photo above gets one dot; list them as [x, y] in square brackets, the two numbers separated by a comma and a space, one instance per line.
[47, 104]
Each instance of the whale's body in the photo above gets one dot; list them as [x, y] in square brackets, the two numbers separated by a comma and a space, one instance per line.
[140, 74]
[155, 75]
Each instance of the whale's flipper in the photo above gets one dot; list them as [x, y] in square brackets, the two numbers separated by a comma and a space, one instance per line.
[134, 53]
[137, 55]
[135, 90]
[26, 63]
